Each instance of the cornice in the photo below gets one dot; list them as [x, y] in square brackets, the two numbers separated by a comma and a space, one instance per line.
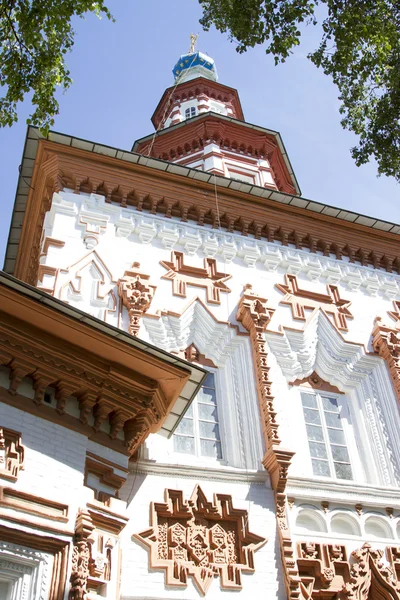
[340, 493]
[128, 179]
[94, 368]
[191, 472]
[175, 142]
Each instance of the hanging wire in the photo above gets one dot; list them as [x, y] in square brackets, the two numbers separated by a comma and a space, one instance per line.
[238, 407]
[177, 81]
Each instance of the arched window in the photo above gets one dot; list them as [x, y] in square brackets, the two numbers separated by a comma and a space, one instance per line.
[190, 112]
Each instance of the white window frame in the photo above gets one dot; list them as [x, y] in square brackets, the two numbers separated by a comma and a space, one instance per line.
[196, 429]
[192, 110]
[348, 431]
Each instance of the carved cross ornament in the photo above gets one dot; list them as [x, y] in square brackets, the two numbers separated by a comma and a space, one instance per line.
[136, 295]
[208, 277]
[300, 299]
[326, 571]
[11, 454]
[200, 539]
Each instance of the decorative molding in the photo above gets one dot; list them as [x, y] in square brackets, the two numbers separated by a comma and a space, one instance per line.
[200, 539]
[11, 454]
[386, 342]
[106, 475]
[31, 544]
[326, 571]
[300, 299]
[136, 295]
[34, 505]
[192, 354]
[183, 275]
[255, 315]
[210, 474]
[230, 350]
[249, 249]
[58, 167]
[27, 572]
[89, 276]
[315, 382]
[80, 557]
[95, 552]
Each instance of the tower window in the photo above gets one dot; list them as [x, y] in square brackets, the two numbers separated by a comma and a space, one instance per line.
[190, 112]
[198, 432]
[326, 437]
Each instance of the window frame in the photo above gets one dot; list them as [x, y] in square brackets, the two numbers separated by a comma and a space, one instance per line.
[192, 110]
[196, 428]
[349, 437]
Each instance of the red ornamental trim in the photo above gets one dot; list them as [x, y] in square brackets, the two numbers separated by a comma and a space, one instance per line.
[200, 539]
[300, 299]
[208, 277]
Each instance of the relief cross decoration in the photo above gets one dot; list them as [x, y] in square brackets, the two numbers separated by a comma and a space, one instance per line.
[208, 277]
[300, 299]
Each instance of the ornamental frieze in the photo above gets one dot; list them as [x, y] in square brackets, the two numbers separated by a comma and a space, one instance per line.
[200, 539]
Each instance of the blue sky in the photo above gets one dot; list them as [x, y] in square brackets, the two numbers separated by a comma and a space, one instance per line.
[121, 69]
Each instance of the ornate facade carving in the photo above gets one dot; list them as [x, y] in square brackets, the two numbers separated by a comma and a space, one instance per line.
[255, 315]
[300, 299]
[208, 277]
[315, 382]
[386, 342]
[136, 295]
[80, 556]
[95, 552]
[200, 539]
[326, 571]
[11, 454]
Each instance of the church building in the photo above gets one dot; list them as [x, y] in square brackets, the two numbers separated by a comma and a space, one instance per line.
[200, 370]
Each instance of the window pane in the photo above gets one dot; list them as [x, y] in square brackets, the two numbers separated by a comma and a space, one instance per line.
[343, 471]
[185, 426]
[189, 412]
[207, 395]
[315, 433]
[318, 450]
[312, 416]
[336, 436]
[340, 453]
[333, 420]
[208, 412]
[209, 381]
[309, 400]
[210, 448]
[209, 430]
[330, 404]
[184, 444]
[321, 467]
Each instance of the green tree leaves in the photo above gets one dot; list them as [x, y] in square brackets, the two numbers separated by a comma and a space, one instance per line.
[359, 49]
[35, 36]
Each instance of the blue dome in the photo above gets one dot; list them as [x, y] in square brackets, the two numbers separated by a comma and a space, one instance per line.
[194, 65]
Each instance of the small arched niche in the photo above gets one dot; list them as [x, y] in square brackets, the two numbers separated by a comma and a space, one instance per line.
[377, 528]
[344, 524]
[310, 520]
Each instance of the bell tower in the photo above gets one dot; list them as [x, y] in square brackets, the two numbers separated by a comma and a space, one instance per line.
[199, 123]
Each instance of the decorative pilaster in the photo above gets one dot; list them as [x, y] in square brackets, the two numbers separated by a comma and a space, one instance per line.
[136, 295]
[386, 342]
[81, 556]
[255, 315]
